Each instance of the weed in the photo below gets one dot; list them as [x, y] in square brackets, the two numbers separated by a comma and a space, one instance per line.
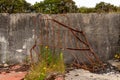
[48, 63]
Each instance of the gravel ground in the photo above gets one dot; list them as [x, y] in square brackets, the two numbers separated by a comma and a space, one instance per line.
[80, 74]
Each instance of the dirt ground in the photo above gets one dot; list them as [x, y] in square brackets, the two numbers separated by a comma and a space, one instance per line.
[14, 72]
[12, 75]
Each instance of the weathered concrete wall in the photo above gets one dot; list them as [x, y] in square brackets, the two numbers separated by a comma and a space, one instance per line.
[17, 33]
[16, 36]
[102, 31]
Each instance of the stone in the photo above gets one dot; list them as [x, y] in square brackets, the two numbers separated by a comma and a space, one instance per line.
[59, 77]
[5, 65]
[115, 63]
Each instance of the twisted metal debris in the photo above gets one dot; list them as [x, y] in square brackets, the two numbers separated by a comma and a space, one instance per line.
[57, 34]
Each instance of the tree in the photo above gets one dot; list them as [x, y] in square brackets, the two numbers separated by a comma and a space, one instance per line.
[86, 10]
[38, 7]
[118, 9]
[55, 6]
[105, 7]
[14, 6]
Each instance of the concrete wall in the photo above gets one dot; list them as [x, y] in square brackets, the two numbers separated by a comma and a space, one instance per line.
[17, 34]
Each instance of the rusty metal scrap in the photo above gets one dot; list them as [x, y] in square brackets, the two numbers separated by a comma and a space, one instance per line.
[58, 35]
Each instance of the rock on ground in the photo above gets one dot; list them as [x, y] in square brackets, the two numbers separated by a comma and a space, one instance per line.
[80, 74]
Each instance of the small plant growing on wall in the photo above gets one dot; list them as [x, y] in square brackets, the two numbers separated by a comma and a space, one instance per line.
[49, 62]
[117, 54]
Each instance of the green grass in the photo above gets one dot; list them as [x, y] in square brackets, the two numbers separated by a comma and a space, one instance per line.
[48, 63]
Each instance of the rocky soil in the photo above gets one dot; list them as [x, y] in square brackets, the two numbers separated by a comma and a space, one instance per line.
[80, 74]
[18, 72]
[112, 72]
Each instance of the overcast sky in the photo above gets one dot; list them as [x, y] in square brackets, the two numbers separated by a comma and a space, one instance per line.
[85, 3]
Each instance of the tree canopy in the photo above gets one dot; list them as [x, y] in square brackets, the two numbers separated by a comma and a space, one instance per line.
[105, 7]
[53, 7]
[101, 7]
[14, 6]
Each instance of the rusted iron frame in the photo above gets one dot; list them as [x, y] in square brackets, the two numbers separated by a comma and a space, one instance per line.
[64, 37]
[47, 25]
[63, 25]
[54, 48]
[75, 35]
[53, 29]
[32, 49]
[75, 58]
[66, 48]
[91, 50]
[47, 33]
[71, 29]
[86, 43]
[78, 37]
[84, 64]
[86, 68]
[80, 66]
[53, 33]
[87, 56]
[58, 35]
[75, 64]
[34, 46]
[41, 35]
[78, 49]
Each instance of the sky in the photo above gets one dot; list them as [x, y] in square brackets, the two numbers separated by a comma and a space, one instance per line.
[85, 3]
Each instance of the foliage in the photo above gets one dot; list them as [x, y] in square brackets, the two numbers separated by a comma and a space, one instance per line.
[86, 10]
[117, 56]
[47, 64]
[55, 6]
[101, 7]
[14, 6]
[118, 9]
[105, 7]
